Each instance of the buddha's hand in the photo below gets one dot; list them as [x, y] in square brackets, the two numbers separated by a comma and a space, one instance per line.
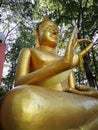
[88, 91]
[71, 56]
[81, 54]
[84, 90]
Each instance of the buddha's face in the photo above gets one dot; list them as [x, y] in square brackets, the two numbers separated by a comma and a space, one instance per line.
[48, 34]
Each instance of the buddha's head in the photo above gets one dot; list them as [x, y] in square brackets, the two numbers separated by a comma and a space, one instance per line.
[47, 33]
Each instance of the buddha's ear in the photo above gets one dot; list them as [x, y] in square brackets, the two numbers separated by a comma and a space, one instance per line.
[36, 39]
[35, 33]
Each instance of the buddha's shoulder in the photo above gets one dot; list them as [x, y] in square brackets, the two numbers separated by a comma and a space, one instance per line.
[30, 50]
[25, 51]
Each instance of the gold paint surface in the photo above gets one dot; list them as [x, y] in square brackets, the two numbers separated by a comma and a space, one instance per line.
[30, 107]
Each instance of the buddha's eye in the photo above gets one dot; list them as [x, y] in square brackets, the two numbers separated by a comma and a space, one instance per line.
[48, 28]
[55, 33]
[51, 29]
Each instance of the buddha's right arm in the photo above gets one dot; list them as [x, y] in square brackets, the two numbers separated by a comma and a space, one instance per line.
[24, 77]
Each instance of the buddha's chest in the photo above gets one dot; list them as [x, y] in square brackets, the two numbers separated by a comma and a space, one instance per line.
[40, 59]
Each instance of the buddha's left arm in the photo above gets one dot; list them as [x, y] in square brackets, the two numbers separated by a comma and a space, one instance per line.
[23, 65]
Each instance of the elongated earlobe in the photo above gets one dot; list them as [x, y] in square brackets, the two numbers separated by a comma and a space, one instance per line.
[37, 45]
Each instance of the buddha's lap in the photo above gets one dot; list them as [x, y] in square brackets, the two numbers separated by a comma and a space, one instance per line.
[45, 95]
[29, 102]
[28, 91]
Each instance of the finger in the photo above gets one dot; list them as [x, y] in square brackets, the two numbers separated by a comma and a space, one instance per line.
[85, 93]
[69, 49]
[74, 35]
[92, 94]
[81, 87]
[86, 50]
[84, 88]
[81, 41]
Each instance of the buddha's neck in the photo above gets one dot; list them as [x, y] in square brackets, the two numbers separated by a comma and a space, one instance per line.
[47, 48]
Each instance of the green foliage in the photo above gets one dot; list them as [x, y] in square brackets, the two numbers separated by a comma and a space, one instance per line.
[3, 91]
[24, 40]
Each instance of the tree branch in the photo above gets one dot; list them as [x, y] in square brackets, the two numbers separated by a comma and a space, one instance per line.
[11, 30]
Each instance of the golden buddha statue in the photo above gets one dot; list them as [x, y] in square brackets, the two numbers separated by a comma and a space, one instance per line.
[46, 96]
